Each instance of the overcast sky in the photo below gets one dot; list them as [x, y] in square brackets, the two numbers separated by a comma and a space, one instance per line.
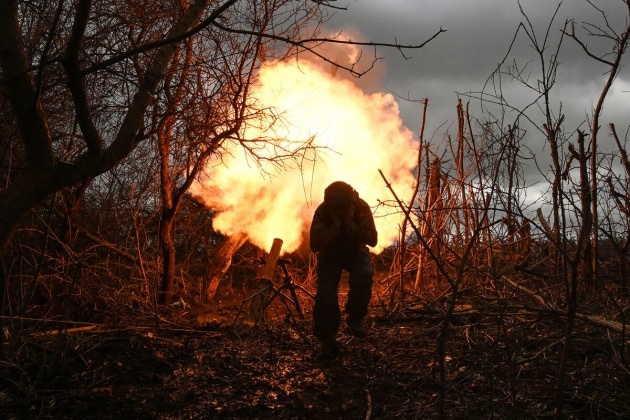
[478, 37]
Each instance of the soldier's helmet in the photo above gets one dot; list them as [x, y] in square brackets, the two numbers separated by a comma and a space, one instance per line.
[339, 195]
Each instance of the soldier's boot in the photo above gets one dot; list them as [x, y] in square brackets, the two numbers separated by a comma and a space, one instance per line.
[356, 327]
[330, 349]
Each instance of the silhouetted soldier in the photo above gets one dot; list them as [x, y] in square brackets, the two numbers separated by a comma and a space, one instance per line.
[342, 227]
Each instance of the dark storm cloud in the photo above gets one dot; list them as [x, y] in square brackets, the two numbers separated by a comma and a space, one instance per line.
[479, 35]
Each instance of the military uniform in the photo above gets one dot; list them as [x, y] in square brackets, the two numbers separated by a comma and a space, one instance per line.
[342, 228]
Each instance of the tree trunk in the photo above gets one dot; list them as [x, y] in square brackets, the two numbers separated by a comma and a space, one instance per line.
[168, 264]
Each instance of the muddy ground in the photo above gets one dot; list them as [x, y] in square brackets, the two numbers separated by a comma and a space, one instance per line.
[501, 362]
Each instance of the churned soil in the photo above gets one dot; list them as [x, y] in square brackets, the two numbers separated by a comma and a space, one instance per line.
[498, 361]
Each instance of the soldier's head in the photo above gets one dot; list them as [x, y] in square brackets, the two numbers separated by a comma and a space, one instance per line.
[338, 197]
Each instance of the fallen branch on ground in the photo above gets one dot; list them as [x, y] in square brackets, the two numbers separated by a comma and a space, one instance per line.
[547, 308]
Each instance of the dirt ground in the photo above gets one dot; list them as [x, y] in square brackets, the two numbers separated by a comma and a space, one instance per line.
[500, 362]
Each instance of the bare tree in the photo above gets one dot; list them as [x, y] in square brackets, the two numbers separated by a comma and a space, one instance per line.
[574, 175]
[619, 43]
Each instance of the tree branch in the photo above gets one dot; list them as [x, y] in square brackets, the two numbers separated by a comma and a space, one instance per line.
[303, 44]
[171, 38]
[21, 92]
[76, 80]
[585, 47]
[126, 137]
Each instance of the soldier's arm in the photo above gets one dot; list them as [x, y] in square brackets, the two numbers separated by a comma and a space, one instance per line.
[363, 228]
[322, 233]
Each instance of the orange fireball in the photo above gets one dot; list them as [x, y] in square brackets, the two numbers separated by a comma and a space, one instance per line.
[355, 134]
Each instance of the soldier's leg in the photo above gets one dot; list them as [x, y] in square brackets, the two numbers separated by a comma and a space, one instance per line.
[326, 314]
[360, 293]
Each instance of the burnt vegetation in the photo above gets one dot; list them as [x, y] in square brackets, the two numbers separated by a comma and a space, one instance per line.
[121, 301]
